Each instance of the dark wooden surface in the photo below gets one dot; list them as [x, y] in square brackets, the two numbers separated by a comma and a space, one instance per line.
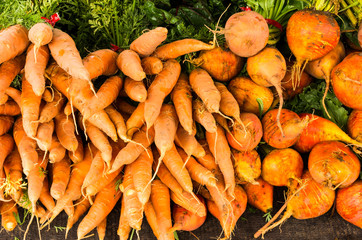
[326, 227]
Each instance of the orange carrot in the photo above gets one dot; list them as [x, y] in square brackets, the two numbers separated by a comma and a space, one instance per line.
[36, 62]
[81, 206]
[118, 121]
[160, 198]
[147, 43]
[14, 175]
[129, 63]
[8, 211]
[95, 171]
[65, 53]
[68, 109]
[30, 108]
[10, 108]
[45, 197]
[60, 178]
[44, 137]
[47, 95]
[65, 130]
[208, 161]
[6, 147]
[151, 65]
[13, 41]
[6, 122]
[190, 202]
[136, 120]
[15, 94]
[203, 116]
[123, 228]
[159, 89]
[40, 34]
[101, 62]
[53, 108]
[136, 90]
[78, 154]
[152, 218]
[8, 71]
[228, 104]
[142, 174]
[101, 229]
[179, 48]
[182, 98]
[123, 106]
[188, 143]
[23, 202]
[56, 150]
[103, 205]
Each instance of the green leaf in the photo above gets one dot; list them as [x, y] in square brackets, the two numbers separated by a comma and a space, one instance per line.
[261, 106]
[175, 235]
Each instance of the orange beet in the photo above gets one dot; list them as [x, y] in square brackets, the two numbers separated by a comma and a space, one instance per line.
[247, 166]
[354, 125]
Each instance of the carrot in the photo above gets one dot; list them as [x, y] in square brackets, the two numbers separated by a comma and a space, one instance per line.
[78, 154]
[129, 63]
[182, 99]
[107, 93]
[6, 122]
[13, 41]
[60, 178]
[133, 206]
[25, 203]
[180, 47]
[8, 212]
[161, 86]
[123, 228]
[10, 108]
[136, 120]
[142, 174]
[147, 43]
[203, 85]
[8, 71]
[40, 34]
[203, 116]
[160, 198]
[221, 151]
[81, 206]
[228, 104]
[44, 137]
[56, 150]
[208, 161]
[101, 62]
[35, 64]
[132, 150]
[118, 121]
[65, 130]
[65, 53]
[124, 106]
[136, 90]
[14, 175]
[68, 109]
[53, 108]
[101, 229]
[151, 219]
[47, 95]
[30, 108]
[95, 171]
[151, 65]
[188, 143]
[6, 147]
[103, 205]
[45, 197]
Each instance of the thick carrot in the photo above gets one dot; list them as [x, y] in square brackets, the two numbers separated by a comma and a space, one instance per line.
[220, 149]
[101, 229]
[136, 120]
[203, 85]
[13, 41]
[101, 62]
[65, 130]
[188, 143]
[151, 65]
[6, 122]
[30, 108]
[136, 90]
[132, 150]
[8, 71]
[60, 178]
[78, 154]
[14, 175]
[182, 99]
[81, 206]
[53, 108]
[179, 48]
[107, 93]
[152, 218]
[35, 64]
[56, 150]
[45, 198]
[65, 53]
[161, 86]
[40, 34]
[8, 211]
[203, 116]
[44, 136]
[103, 205]
[10, 108]
[142, 174]
[123, 228]
[129, 63]
[160, 198]
[147, 43]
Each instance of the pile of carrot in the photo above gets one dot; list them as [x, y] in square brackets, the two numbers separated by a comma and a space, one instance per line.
[170, 145]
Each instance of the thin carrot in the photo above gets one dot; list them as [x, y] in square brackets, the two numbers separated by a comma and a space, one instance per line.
[15, 94]
[44, 136]
[56, 151]
[8, 71]
[151, 65]
[6, 147]
[65, 130]
[103, 205]
[182, 98]
[6, 122]
[95, 171]
[208, 161]
[123, 228]
[14, 175]
[129, 63]
[53, 108]
[45, 198]
[13, 41]
[81, 206]
[180, 47]
[147, 43]
[203, 116]
[136, 120]
[78, 154]
[161, 86]
[8, 212]
[10, 108]
[152, 218]
[136, 90]
[101, 62]
[60, 178]
[188, 143]
[118, 122]
[101, 229]
[35, 64]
